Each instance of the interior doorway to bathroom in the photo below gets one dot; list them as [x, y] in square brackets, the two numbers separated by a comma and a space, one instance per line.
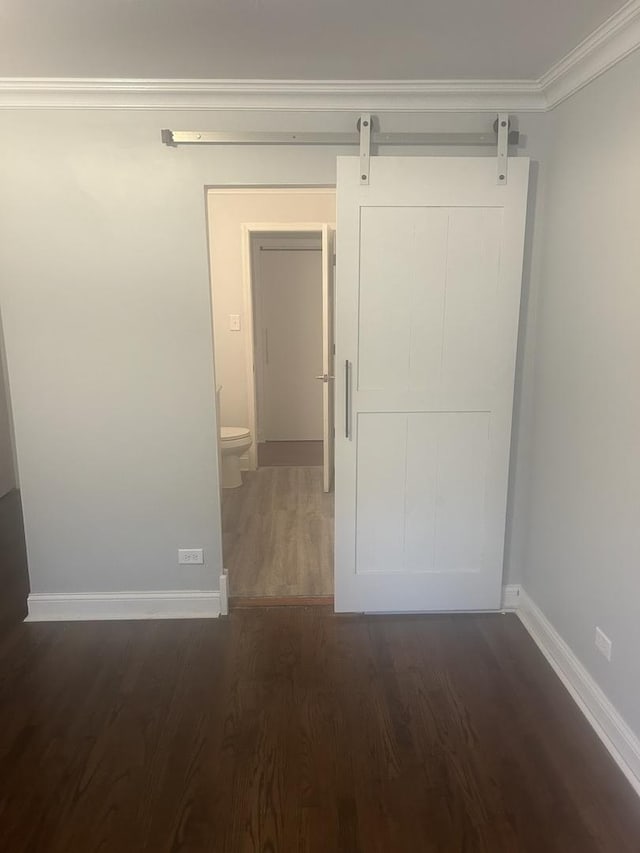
[271, 253]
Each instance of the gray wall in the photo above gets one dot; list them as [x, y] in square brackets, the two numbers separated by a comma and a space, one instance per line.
[7, 461]
[581, 560]
[105, 300]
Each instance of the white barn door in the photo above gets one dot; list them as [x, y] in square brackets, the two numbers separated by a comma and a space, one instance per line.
[429, 269]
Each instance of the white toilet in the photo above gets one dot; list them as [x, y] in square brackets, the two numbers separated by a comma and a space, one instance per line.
[234, 442]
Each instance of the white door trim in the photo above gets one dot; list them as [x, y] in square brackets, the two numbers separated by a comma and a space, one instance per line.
[249, 230]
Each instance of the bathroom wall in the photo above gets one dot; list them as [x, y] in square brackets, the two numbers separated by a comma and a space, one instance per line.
[227, 211]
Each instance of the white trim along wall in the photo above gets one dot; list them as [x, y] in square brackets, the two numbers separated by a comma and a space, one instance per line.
[620, 741]
[159, 604]
[615, 39]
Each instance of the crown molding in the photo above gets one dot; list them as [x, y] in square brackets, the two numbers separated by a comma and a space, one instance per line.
[612, 41]
[605, 47]
[323, 95]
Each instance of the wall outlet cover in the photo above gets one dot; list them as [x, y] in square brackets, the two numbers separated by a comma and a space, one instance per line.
[190, 556]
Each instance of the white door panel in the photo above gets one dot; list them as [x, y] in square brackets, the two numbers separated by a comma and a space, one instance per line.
[473, 263]
[403, 252]
[380, 488]
[429, 489]
[428, 290]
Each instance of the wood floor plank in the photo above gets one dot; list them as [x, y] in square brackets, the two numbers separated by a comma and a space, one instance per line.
[278, 534]
[286, 601]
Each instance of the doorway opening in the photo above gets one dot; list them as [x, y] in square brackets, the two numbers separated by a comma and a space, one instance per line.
[272, 294]
[287, 317]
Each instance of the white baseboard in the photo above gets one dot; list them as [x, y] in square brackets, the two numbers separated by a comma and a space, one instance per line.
[170, 604]
[511, 596]
[612, 730]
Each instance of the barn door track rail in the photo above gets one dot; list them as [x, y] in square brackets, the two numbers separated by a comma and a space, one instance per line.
[365, 138]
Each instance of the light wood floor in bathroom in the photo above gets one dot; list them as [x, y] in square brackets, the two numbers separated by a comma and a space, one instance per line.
[278, 534]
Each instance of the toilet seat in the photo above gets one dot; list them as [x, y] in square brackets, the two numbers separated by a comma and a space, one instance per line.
[233, 433]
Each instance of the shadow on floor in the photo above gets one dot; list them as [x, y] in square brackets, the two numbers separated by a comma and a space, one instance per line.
[14, 578]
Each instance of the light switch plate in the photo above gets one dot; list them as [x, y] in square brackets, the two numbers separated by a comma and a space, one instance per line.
[234, 322]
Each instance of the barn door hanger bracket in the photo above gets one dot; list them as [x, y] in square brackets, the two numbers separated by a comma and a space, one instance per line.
[364, 129]
[501, 126]
[502, 135]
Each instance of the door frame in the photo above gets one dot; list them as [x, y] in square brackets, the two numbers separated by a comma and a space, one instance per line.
[249, 230]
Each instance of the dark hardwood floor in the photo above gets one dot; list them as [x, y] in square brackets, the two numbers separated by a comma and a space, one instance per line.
[14, 579]
[290, 730]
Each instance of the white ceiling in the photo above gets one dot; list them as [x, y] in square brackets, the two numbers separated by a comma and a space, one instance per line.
[293, 39]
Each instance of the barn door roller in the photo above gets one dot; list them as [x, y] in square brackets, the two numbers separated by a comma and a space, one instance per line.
[364, 138]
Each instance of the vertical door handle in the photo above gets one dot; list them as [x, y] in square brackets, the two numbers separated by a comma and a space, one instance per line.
[266, 346]
[347, 399]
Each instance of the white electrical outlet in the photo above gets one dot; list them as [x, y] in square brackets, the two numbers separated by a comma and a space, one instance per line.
[603, 644]
[190, 556]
